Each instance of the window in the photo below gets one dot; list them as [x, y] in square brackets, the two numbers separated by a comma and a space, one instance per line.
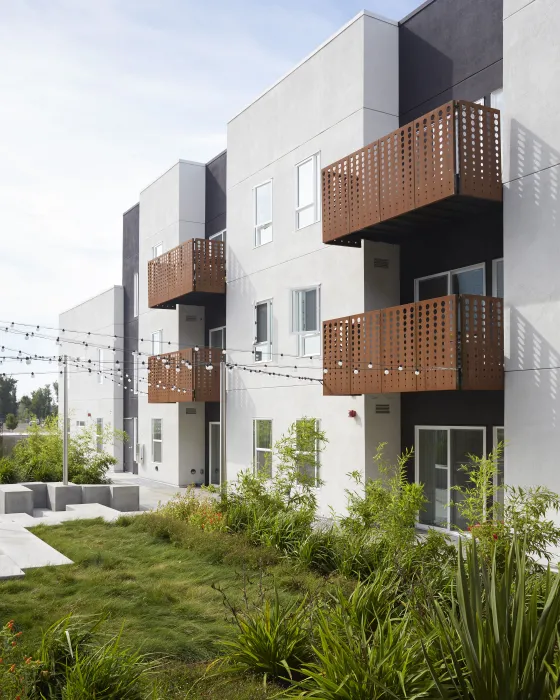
[99, 435]
[480, 101]
[100, 366]
[466, 280]
[157, 250]
[307, 192]
[263, 331]
[136, 294]
[157, 340]
[307, 452]
[80, 423]
[306, 320]
[136, 379]
[497, 99]
[263, 213]
[440, 453]
[221, 236]
[498, 278]
[156, 439]
[217, 337]
[262, 446]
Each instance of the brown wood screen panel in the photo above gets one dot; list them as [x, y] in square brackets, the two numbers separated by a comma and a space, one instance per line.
[453, 150]
[186, 378]
[198, 265]
[444, 344]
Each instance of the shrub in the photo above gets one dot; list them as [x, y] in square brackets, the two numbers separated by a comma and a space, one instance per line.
[203, 513]
[500, 638]
[8, 471]
[18, 670]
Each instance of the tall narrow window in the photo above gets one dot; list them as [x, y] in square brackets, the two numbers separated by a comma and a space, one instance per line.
[136, 294]
[306, 321]
[99, 366]
[157, 339]
[307, 192]
[157, 250]
[263, 331]
[99, 435]
[217, 338]
[157, 440]
[307, 451]
[262, 446]
[498, 278]
[136, 379]
[263, 213]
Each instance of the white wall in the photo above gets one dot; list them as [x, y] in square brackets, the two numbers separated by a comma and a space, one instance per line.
[532, 240]
[328, 104]
[172, 211]
[88, 399]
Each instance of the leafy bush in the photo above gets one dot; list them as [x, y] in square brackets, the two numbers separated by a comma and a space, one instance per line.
[39, 456]
[507, 635]
[203, 513]
[8, 471]
[18, 670]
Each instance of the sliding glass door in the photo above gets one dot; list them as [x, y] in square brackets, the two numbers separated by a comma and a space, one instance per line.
[440, 454]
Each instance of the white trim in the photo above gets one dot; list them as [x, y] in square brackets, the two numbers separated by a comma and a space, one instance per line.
[257, 229]
[304, 334]
[495, 276]
[210, 424]
[449, 273]
[160, 331]
[157, 245]
[215, 330]
[214, 236]
[269, 340]
[417, 429]
[315, 158]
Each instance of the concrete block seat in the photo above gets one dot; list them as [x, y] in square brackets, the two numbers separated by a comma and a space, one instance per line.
[96, 493]
[39, 489]
[60, 495]
[125, 497]
[15, 498]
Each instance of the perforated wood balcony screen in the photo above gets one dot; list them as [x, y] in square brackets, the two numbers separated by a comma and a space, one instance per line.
[195, 266]
[185, 376]
[452, 151]
[449, 343]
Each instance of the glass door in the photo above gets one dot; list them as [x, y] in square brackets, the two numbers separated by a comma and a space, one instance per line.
[440, 454]
[214, 459]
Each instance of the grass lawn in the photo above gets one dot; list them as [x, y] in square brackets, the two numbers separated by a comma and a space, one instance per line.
[160, 590]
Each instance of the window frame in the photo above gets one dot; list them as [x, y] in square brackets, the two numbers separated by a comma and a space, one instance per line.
[136, 295]
[219, 236]
[262, 449]
[301, 335]
[315, 158]
[268, 342]
[495, 276]
[316, 478]
[154, 249]
[157, 440]
[215, 330]
[449, 274]
[258, 228]
[422, 526]
[160, 331]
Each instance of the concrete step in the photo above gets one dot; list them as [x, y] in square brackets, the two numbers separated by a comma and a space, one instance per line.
[26, 550]
[9, 569]
[93, 510]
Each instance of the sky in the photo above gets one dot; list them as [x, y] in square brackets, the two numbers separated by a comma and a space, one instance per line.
[98, 98]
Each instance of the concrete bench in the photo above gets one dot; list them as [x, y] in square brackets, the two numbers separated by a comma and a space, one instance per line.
[96, 493]
[60, 495]
[39, 489]
[125, 497]
[15, 498]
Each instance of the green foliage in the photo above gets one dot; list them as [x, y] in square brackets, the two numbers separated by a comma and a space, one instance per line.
[18, 670]
[203, 513]
[499, 640]
[11, 421]
[39, 456]
[525, 514]
[386, 507]
[42, 405]
[8, 400]
[8, 471]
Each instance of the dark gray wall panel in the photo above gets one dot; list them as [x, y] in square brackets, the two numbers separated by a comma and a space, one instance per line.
[449, 49]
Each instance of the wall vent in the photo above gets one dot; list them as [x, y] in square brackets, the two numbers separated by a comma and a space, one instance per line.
[190, 411]
[381, 263]
[382, 408]
[191, 318]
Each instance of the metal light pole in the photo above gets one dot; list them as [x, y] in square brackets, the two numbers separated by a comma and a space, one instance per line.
[223, 414]
[65, 429]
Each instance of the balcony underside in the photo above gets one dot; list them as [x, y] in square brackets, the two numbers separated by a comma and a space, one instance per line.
[189, 299]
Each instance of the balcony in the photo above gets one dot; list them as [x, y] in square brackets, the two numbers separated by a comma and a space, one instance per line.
[444, 164]
[184, 376]
[187, 274]
[450, 343]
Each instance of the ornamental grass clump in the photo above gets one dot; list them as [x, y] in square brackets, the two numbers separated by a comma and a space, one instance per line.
[201, 512]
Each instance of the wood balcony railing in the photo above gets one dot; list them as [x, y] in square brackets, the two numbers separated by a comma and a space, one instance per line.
[449, 343]
[187, 274]
[186, 375]
[443, 164]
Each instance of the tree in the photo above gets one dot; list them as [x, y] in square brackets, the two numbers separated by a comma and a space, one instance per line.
[42, 402]
[55, 387]
[8, 399]
[24, 408]
[11, 421]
